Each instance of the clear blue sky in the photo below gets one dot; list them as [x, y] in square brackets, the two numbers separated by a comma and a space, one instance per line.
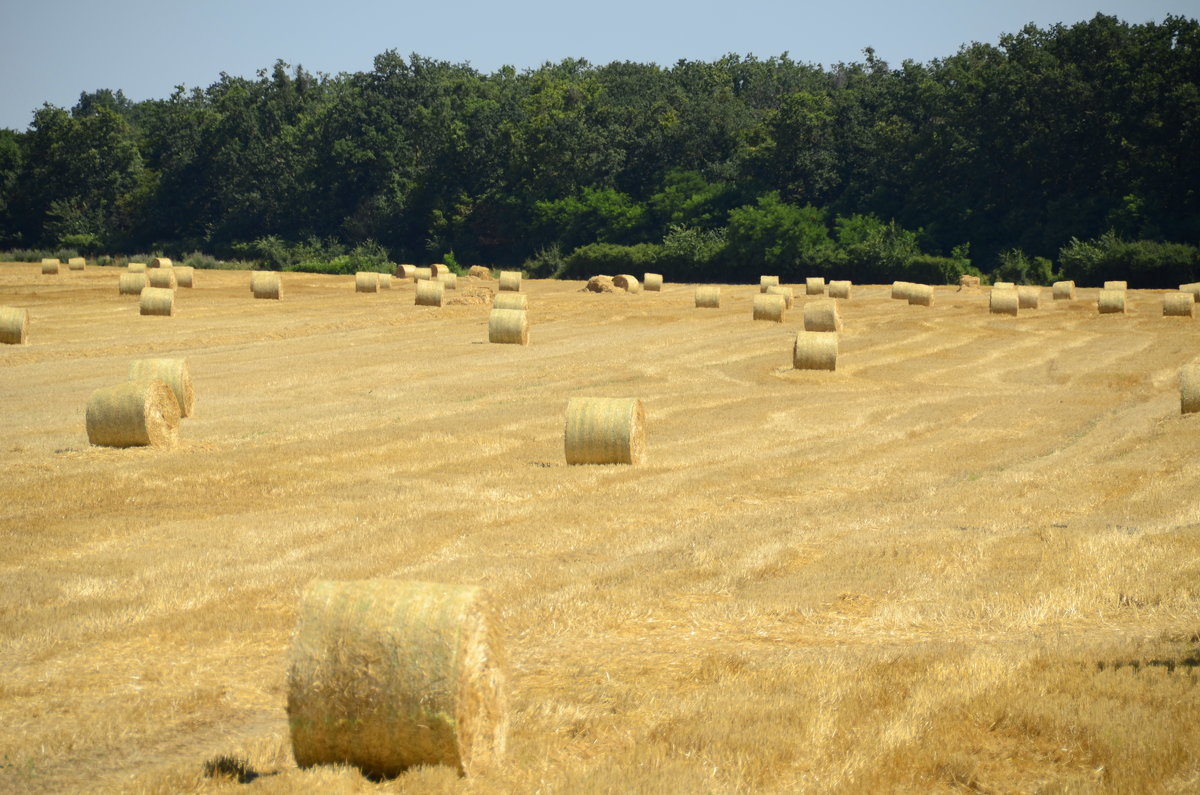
[55, 49]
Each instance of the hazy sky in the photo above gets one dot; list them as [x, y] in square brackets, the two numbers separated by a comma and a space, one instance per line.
[55, 49]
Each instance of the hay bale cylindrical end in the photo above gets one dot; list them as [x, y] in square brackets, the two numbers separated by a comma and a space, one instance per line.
[605, 431]
[142, 413]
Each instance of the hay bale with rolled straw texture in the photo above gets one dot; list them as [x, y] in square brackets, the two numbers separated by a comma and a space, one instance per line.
[480, 272]
[1111, 302]
[920, 295]
[184, 276]
[1178, 305]
[161, 262]
[131, 284]
[430, 292]
[789, 295]
[266, 285]
[900, 290]
[450, 280]
[76, 263]
[1064, 291]
[1189, 389]
[628, 283]
[422, 273]
[387, 674]
[438, 269]
[1192, 289]
[508, 326]
[653, 282]
[822, 316]
[385, 281]
[708, 296]
[1004, 286]
[1028, 297]
[814, 285]
[1004, 302]
[768, 306]
[133, 414]
[815, 350]
[136, 267]
[510, 301]
[766, 281]
[840, 288]
[1116, 285]
[407, 273]
[157, 301]
[605, 431]
[510, 281]
[14, 325]
[172, 372]
[164, 278]
[366, 282]
[50, 267]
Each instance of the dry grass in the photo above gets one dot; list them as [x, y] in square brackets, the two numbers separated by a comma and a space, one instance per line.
[965, 559]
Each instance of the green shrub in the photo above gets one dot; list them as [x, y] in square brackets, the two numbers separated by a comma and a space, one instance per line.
[611, 259]
[928, 269]
[547, 263]
[201, 261]
[1144, 263]
[1018, 268]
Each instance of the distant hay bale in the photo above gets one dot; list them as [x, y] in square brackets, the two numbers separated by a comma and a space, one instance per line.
[76, 263]
[508, 326]
[1192, 289]
[422, 273]
[136, 267]
[161, 262]
[766, 281]
[158, 301]
[1116, 285]
[1178, 304]
[605, 431]
[388, 674]
[437, 270]
[900, 290]
[920, 295]
[822, 316]
[840, 288]
[628, 283]
[131, 283]
[133, 414]
[1064, 291]
[1028, 297]
[968, 282]
[14, 325]
[50, 267]
[163, 278]
[172, 372]
[1189, 389]
[814, 285]
[184, 275]
[1111, 302]
[600, 284]
[1004, 286]
[407, 273]
[449, 279]
[366, 282]
[510, 281]
[815, 350]
[768, 306]
[652, 282]
[385, 281]
[708, 296]
[267, 285]
[789, 295]
[510, 301]
[1004, 302]
[480, 272]
[430, 292]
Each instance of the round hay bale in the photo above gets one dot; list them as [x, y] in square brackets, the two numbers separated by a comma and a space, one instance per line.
[766, 281]
[510, 281]
[437, 270]
[385, 281]
[900, 290]
[158, 301]
[605, 431]
[161, 262]
[1178, 305]
[840, 289]
[422, 273]
[366, 282]
[50, 267]
[1028, 297]
[510, 301]
[600, 284]
[768, 306]
[184, 276]
[508, 326]
[653, 282]
[163, 278]
[133, 414]
[815, 350]
[1064, 291]
[822, 316]
[708, 296]
[172, 372]
[430, 292]
[968, 282]
[628, 283]
[1111, 302]
[131, 283]
[449, 279]
[1192, 289]
[406, 272]
[266, 284]
[1004, 302]
[1189, 389]
[920, 295]
[480, 272]
[814, 285]
[1004, 286]
[1116, 285]
[14, 325]
[789, 295]
[136, 267]
[76, 263]
[388, 674]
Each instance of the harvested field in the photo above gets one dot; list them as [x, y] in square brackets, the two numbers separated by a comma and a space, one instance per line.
[967, 558]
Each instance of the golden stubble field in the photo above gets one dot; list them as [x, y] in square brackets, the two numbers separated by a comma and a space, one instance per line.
[966, 560]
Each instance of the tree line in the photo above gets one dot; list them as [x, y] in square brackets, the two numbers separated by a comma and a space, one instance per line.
[1070, 149]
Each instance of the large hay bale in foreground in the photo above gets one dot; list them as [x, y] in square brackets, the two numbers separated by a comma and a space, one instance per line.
[14, 325]
[407, 273]
[920, 295]
[50, 267]
[766, 281]
[163, 278]
[136, 267]
[430, 292]
[628, 283]
[1003, 302]
[161, 262]
[172, 372]
[508, 326]
[1189, 389]
[385, 281]
[840, 288]
[789, 295]
[1111, 302]
[1028, 297]
[822, 316]
[814, 285]
[480, 272]
[510, 281]
[76, 263]
[184, 276]
[1116, 285]
[653, 282]
[1064, 290]
[131, 283]
[768, 306]
[600, 284]
[510, 301]
[708, 296]
[388, 674]
[1192, 289]
[157, 301]
[605, 431]
[133, 414]
[815, 350]
[266, 285]
[1178, 305]
[366, 282]
[437, 270]
[900, 290]
[449, 279]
